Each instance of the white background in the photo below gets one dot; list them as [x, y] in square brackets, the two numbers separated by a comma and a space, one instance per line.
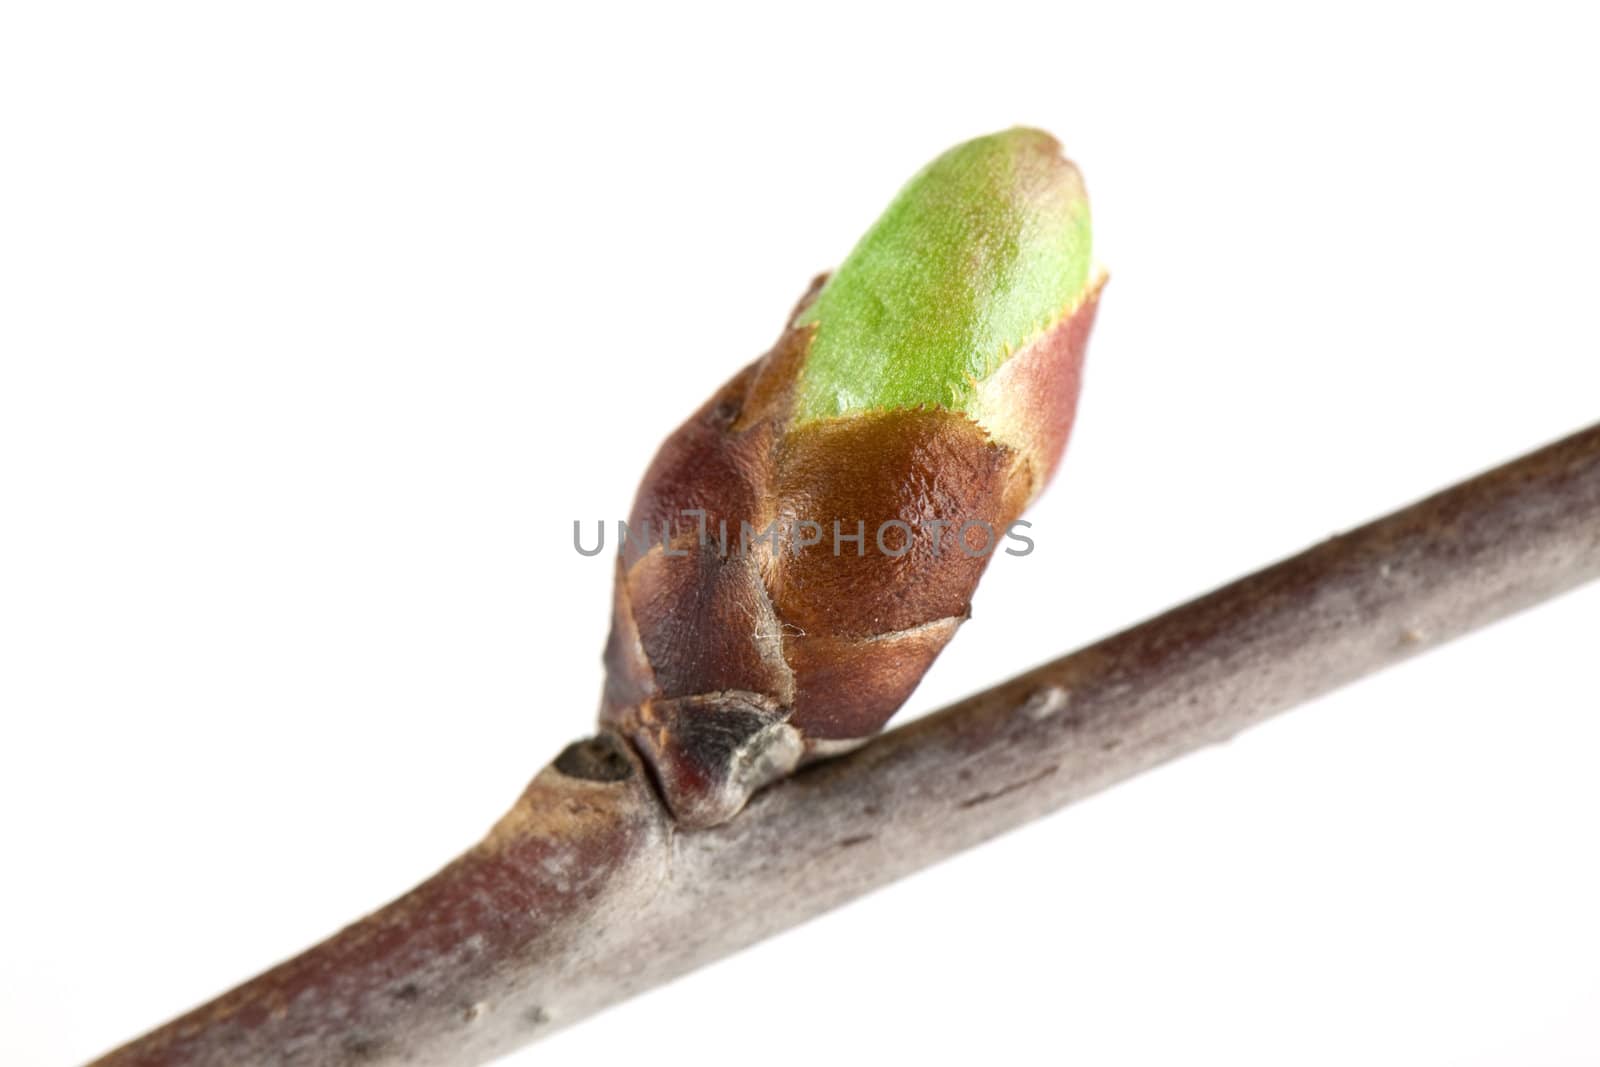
[321, 322]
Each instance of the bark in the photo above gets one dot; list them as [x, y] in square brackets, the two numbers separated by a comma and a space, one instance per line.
[585, 893]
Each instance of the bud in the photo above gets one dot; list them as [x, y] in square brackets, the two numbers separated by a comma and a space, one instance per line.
[923, 392]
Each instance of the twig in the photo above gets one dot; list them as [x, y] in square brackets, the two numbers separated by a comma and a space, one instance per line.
[584, 894]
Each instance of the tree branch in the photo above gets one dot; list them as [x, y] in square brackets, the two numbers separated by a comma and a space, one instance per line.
[585, 894]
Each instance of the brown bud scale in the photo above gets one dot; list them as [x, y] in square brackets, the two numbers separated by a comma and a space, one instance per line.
[733, 656]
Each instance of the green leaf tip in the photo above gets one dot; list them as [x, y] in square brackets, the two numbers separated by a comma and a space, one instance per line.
[980, 252]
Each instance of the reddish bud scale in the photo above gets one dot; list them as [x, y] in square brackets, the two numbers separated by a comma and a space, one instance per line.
[732, 661]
